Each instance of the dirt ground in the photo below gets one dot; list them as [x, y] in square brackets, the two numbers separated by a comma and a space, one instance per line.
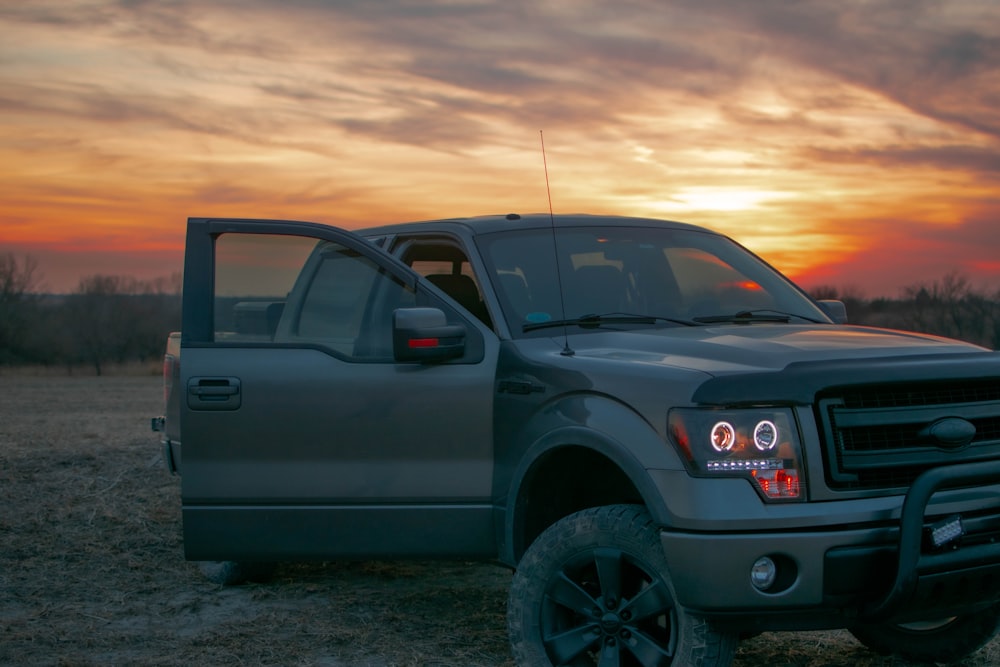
[92, 569]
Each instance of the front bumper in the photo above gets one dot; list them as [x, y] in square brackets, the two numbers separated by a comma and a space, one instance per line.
[839, 571]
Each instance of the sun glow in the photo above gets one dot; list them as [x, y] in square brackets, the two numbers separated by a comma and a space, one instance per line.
[847, 171]
[719, 199]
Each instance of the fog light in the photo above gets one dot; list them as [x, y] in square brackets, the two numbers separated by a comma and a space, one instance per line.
[763, 573]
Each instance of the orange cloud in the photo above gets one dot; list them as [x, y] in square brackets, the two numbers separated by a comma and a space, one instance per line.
[845, 143]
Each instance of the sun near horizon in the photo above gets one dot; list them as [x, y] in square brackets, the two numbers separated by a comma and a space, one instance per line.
[852, 146]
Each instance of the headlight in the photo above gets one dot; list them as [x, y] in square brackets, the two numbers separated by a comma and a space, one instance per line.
[760, 444]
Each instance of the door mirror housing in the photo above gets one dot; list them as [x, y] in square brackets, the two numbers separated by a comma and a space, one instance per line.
[424, 335]
[835, 310]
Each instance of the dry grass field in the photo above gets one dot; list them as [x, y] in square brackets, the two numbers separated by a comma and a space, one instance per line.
[92, 569]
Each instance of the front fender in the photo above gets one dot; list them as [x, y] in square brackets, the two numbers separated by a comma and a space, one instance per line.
[602, 424]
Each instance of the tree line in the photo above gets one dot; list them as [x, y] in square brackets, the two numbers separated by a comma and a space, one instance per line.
[114, 319]
[951, 306]
[107, 319]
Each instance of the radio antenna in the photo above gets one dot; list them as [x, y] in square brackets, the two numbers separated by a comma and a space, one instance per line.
[567, 351]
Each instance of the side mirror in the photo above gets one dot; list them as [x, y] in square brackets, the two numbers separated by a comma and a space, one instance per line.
[835, 310]
[424, 335]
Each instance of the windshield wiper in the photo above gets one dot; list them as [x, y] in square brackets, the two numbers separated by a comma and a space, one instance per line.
[592, 321]
[748, 316]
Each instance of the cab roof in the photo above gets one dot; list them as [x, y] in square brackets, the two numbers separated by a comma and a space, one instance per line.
[487, 224]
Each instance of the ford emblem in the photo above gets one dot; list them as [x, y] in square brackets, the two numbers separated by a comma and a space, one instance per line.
[950, 432]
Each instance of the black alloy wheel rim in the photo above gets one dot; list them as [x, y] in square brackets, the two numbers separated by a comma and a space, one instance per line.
[604, 608]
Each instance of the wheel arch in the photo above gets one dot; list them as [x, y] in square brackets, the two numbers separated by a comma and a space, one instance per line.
[569, 469]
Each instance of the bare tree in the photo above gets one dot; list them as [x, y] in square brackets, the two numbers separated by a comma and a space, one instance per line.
[18, 280]
[100, 318]
[851, 296]
[824, 292]
[952, 307]
[119, 319]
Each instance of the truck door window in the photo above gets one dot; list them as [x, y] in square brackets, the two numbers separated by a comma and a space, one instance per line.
[288, 289]
[253, 275]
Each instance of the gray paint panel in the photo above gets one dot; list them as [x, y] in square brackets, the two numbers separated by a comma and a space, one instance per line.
[314, 428]
[320, 533]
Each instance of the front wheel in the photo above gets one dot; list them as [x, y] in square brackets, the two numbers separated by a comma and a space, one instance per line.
[593, 589]
[945, 640]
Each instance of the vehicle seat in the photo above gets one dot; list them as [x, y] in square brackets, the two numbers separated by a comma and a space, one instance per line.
[462, 289]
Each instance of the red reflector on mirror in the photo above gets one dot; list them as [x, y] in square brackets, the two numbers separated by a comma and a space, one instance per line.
[423, 342]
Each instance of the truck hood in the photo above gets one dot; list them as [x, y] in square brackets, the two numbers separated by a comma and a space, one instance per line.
[747, 348]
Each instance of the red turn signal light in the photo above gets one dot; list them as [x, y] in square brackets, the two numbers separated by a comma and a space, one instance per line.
[777, 483]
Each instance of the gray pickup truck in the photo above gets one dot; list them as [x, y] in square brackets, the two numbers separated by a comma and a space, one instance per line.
[671, 444]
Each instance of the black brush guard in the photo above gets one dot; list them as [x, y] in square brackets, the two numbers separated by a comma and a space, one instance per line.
[929, 579]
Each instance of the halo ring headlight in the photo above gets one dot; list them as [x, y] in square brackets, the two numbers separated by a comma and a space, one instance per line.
[758, 443]
[765, 435]
[723, 437]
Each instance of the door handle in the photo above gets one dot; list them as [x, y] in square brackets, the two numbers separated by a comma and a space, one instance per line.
[211, 391]
[214, 393]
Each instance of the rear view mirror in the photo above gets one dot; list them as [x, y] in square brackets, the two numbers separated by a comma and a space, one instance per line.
[424, 335]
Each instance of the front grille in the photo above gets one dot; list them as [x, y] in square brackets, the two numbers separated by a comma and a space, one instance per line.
[910, 395]
[878, 436]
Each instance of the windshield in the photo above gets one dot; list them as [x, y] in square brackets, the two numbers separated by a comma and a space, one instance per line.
[674, 277]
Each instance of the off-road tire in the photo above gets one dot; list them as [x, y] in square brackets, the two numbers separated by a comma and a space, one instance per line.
[233, 573]
[596, 583]
[950, 641]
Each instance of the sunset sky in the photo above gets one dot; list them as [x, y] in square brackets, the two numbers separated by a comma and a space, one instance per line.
[850, 143]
